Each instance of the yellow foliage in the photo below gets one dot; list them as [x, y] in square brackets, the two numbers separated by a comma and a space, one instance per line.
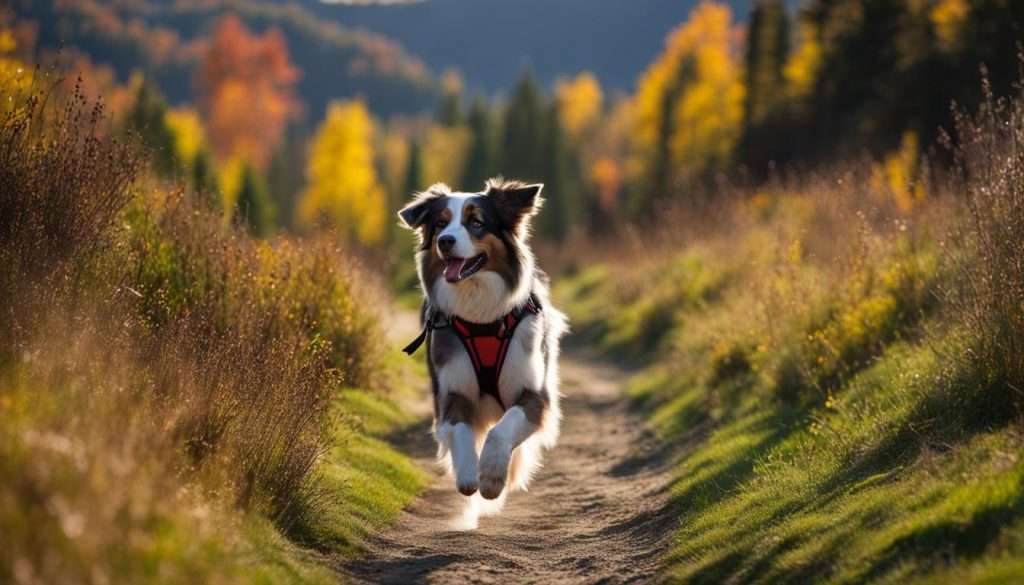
[13, 76]
[394, 157]
[188, 133]
[802, 68]
[699, 72]
[343, 187]
[444, 153]
[948, 17]
[229, 179]
[579, 102]
[606, 176]
[897, 174]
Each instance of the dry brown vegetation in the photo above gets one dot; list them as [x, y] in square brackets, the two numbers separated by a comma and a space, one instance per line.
[158, 368]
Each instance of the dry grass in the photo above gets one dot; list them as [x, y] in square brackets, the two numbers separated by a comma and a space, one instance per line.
[989, 292]
[158, 368]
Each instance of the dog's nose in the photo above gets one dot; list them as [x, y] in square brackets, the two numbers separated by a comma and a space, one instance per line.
[446, 243]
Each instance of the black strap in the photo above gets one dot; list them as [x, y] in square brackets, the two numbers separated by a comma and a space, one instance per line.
[416, 343]
[428, 326]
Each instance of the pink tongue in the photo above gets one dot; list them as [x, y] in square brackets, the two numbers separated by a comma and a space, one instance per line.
[454, 269]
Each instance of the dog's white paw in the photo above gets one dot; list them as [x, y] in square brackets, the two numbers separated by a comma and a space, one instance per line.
[494, 467]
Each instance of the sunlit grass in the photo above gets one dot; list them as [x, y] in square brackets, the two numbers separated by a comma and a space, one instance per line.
[832, 420]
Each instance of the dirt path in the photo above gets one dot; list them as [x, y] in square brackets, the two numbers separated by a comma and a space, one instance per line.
[592, 514]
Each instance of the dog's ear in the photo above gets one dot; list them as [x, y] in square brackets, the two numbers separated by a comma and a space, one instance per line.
[417, 212]
[515, 203]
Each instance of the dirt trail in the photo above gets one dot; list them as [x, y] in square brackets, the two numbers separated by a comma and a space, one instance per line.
[594, 514]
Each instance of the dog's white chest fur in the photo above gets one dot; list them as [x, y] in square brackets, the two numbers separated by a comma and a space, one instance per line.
[523, 368]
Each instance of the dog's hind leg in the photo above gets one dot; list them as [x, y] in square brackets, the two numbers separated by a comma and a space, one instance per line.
[516, 425]
[456, 435]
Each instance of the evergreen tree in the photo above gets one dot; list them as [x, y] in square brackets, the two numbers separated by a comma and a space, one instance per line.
[767, 50]
[766, 54]
[147, 117]
[449, 111]
[482, 155]
[553, 223]
[204, 178]
[254, 208]
[523, 138]
[285, 177]
[413, 181]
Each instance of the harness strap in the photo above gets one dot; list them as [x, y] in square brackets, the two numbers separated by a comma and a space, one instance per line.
[486, 343]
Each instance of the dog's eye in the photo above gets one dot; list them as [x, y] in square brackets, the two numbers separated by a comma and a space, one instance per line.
[476, 224]
[441, 223]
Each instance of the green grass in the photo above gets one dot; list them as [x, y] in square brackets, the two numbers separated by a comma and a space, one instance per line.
[374, 479]
[842, 434]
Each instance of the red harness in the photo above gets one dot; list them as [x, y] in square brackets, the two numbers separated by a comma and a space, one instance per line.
[486, 343]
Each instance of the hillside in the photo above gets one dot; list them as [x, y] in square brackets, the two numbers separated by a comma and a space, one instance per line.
[164, 39]
[614, 39]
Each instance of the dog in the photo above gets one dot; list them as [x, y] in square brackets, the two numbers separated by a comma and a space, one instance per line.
[491, 331]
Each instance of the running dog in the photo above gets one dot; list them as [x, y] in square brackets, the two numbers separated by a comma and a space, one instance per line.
[492, 334]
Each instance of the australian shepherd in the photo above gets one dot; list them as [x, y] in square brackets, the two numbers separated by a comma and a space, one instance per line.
[492, 334]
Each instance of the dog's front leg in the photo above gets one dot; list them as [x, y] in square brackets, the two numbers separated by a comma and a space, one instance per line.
[456, 434]
[515, 426]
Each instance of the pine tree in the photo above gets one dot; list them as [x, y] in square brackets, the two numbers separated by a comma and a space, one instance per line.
[203, 177]
[766, 54]
[254, 208]
[553, 223]
[285, 177]
[413, 181]
[147, 117]
[449, 110]
[482, 155]
[523, 139]
[767, 50]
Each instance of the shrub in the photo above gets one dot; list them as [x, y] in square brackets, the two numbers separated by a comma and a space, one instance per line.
[158, 350]
[989, 292]
[62, 187]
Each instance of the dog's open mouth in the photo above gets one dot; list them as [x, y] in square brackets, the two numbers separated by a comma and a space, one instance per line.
[456, 269]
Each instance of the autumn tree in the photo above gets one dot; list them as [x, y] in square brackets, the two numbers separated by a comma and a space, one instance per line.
[580, 100]
[14, 75]
[246, 93]
[579, 103]
[689, 103]
[342, 187]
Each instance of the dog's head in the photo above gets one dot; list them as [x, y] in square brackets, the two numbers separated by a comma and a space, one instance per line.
[465, 235]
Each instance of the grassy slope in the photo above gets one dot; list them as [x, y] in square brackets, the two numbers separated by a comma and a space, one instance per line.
[835, 434]
[171, 400]
[375, 480]
[187, 537]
